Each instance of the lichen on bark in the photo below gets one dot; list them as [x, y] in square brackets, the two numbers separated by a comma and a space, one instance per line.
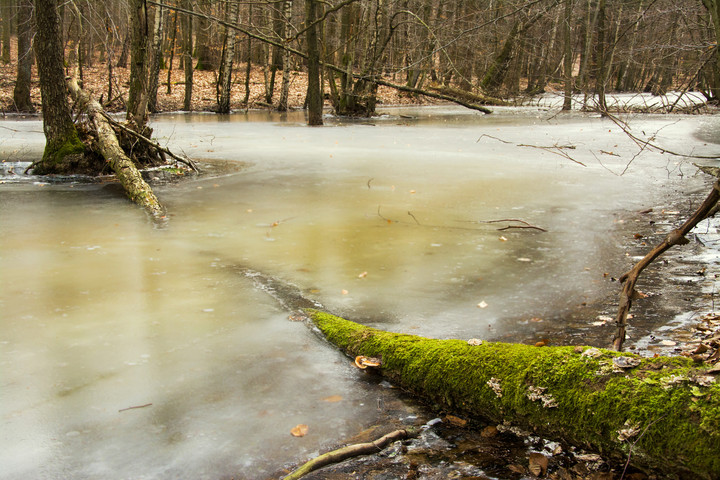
[672, 404]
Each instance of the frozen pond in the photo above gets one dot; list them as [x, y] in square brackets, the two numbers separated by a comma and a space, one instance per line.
[381, 220]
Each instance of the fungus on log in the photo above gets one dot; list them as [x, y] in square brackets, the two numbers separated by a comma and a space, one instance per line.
[130, 178]
[663, 413]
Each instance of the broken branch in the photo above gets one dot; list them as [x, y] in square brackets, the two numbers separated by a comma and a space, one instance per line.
[350, 451]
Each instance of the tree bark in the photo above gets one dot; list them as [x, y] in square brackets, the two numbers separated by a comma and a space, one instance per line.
[156, 57]
[285, 87]
[226, 64]
[187, 35]
[127, 174]
[6, 14]
[21, 92]
[62, 145]
[568, 59]
[662, 413]
[138, 94]
[314, 92]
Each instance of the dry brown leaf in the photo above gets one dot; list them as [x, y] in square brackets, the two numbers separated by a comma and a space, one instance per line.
[333, 399]
[538, 464]
[457, 421]
[299, 430]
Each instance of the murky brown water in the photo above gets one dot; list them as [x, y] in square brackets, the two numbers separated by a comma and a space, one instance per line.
[381, 221]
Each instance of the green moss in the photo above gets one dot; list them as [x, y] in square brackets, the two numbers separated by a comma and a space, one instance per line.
[56, 153]
[672, 422]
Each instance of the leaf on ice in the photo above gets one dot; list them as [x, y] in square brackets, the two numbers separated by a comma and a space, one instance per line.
[299, 430]
[482, 304]
[333, 399]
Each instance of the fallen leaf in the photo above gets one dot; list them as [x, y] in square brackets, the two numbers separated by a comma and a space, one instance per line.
[363, 275]
[502, 239]
[299, 430]
[344, 292]
[489, 431]
[457, 421]
[333, 399]
[538, 464]
[482, 304]
[474, 342]
[536, 319]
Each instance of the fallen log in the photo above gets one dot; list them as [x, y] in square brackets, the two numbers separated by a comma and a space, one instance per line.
[660, 413]
[127, 174]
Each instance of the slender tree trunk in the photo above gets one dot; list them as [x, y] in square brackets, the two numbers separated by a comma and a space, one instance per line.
[601, 71]
[285, 88]
[172, 53]
[21, 93]
[248, 68]
[62, 143]
[6, 14]
[568, 60]
[187, 31]
[156, 55]
[226, 65]
[314, 97]
[138, 96]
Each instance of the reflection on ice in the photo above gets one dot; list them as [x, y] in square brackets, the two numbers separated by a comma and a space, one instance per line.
[381, 220]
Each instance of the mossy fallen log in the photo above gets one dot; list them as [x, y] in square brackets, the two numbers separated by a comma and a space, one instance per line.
[109, 147]
[663, 413]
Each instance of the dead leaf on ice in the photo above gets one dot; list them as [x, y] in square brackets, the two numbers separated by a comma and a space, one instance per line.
[364, 362]
[333, 399]
[299, 430]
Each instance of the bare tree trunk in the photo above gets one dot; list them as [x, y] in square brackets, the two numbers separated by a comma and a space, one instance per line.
[155, 59]
[6, 14]
[285, 89]
[187, 31]
[138, 95]
[314, 97]
[568, 60]
[21, 93]
[62, 145]
[172, 53]
[226, 65]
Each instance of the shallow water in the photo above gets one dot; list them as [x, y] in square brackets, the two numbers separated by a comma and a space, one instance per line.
[380, 220]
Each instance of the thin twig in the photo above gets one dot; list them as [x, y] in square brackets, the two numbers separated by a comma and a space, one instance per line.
[413, 217]
[509, 220]
[136, 406]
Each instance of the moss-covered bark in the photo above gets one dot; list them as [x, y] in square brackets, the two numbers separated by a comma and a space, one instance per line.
[665, 410]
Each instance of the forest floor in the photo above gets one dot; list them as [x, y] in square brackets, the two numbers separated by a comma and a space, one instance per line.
[97, 81]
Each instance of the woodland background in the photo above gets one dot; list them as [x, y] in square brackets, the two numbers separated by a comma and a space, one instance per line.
[481, 50]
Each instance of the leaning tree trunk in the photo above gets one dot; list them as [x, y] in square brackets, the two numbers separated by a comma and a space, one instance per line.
[62, 145]
[127, 174]
[661, 413]
[21, 92]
